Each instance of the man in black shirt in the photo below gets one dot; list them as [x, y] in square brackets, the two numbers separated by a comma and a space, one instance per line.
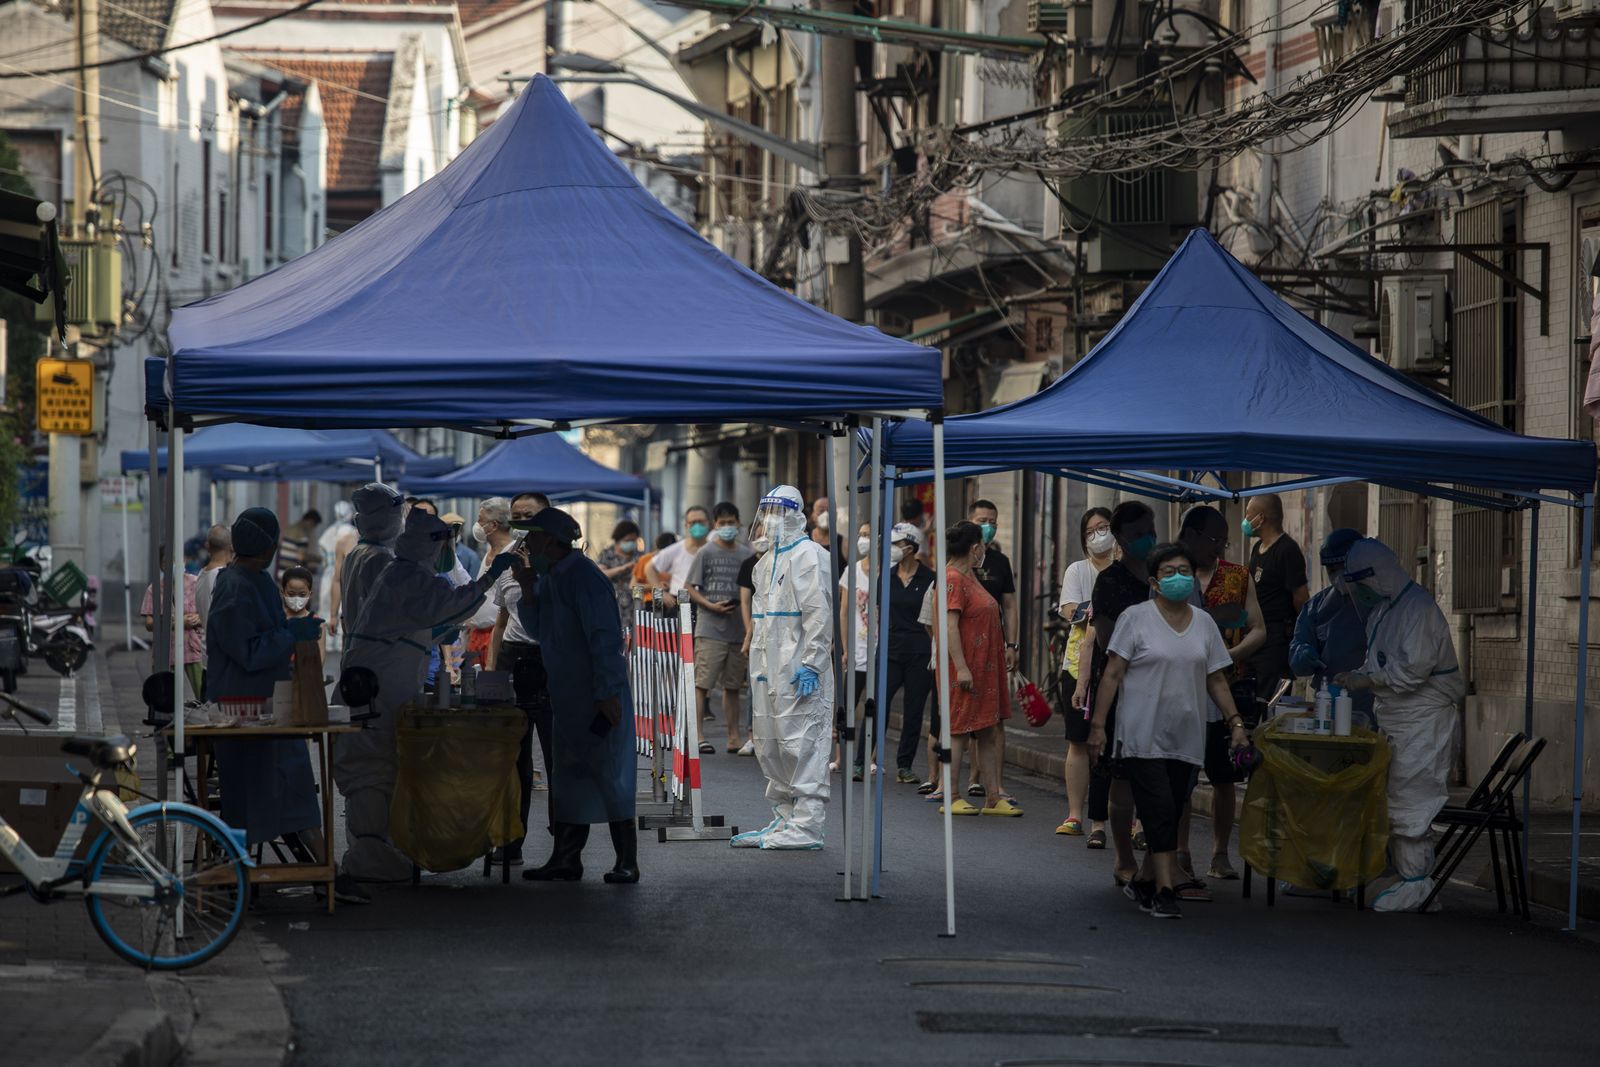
[996, 576]
[910, 647]
[1278, 568]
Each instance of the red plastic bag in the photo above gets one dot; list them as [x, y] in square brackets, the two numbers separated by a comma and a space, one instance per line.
[1035, 708]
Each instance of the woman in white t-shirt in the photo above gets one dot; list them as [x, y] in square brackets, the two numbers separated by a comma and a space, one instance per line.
[1165, 658]
[1077, 587]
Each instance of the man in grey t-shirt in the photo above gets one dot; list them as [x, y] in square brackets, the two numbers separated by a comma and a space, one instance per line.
[713, 587]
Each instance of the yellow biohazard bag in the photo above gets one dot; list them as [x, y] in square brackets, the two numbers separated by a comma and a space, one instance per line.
[456, 796]
[1317, 810]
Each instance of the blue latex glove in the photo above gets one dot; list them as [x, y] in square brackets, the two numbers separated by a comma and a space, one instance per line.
[502, 563]
[804, 681]
[306, 629]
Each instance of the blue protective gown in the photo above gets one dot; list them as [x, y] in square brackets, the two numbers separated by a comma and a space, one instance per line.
[1330, 629]
[268, 789]
[573, 616]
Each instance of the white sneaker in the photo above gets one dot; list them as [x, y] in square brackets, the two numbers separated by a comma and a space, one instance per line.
[749, 749]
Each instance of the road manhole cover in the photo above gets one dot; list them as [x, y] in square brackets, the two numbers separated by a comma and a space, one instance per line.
[979, 963]
[979, 985]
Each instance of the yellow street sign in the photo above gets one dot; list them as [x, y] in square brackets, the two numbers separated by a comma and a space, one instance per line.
[64, 396]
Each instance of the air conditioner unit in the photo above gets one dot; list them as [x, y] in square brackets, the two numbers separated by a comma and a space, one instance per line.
[1576, 10]
[1045, 17]
[1392, 14]
[1411, 323]
[94, 295]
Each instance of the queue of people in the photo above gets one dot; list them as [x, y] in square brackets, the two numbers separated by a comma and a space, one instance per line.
[1170, 649]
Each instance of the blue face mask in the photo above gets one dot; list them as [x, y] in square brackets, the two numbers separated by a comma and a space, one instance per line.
[1248, 529]
[698, 531]
[1176, 587]
[1143, 547]
[727, 533]
[988, 532]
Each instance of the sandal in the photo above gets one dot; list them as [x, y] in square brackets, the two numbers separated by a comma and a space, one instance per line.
[935, 797]
[1222, 868]
[1193, 890]
[927, 787]
[976, 790]
[707, 748]
[1139, 842]
[1070, 827]
[1097, 839]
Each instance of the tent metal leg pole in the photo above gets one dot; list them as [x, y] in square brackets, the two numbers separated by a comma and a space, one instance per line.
[1585, 566]
[153, 511]
[882, 507]
[175, 558]
[1533, 637]
[869, 737]
[844, 684]
[942, 629]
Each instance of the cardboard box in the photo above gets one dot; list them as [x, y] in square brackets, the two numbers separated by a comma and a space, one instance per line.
[38, 791]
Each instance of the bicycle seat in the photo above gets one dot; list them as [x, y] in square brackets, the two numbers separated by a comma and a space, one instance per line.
[103, 752]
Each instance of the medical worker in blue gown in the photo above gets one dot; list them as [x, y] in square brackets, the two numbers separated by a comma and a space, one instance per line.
[267, 785]
[569, 606]
[410, 605]
[1330, 636]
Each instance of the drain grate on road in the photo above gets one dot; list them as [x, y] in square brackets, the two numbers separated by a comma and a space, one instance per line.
[979, 985]
[943, 1022]
[980, 963]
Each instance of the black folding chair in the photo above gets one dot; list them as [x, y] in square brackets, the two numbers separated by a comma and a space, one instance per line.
[1491, 808]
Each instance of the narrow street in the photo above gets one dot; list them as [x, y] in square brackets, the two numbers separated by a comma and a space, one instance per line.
[745, 957]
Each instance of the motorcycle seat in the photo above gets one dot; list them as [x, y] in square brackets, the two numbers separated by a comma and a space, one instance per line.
[103, 752]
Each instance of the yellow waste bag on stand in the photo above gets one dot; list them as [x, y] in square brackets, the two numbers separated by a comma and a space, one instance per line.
[456, 796]
[1317, 812]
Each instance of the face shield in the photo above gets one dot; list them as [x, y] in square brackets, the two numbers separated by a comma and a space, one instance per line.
[779, 520]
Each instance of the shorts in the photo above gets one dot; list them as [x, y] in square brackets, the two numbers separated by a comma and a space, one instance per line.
[1161, 789]
[1075, 721]
[719, 665]
[1219, 754]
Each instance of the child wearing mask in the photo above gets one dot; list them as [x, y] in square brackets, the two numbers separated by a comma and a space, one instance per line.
[296, 587]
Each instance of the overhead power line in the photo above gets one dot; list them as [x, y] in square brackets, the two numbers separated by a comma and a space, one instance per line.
[153, 53]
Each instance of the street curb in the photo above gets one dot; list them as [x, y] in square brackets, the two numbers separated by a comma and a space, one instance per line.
[143, 1037]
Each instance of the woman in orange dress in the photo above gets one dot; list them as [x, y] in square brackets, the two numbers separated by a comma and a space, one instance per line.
[978, 699]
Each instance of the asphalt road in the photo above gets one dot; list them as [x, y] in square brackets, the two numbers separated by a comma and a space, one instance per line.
[730, 956]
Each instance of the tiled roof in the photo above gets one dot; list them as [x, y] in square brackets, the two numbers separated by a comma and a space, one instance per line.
[353, 120]
[472, 11]
[141, 24]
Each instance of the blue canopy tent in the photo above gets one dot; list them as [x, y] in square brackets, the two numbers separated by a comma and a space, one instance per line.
[545, 463]
[1210, 371]
[532, 285]
[241, 452]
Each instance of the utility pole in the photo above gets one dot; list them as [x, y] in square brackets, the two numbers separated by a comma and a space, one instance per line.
[66, 482]
[841, 155]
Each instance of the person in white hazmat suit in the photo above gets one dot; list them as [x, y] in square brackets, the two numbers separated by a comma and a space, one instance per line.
[410, 605]
[791, 673]
[1411, 670]
[378, 521]
[341, 528]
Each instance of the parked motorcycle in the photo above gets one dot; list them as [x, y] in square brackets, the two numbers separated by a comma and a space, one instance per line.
[55, 632]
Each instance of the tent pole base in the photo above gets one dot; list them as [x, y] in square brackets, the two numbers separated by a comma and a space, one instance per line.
[669, 819]
[689, 833]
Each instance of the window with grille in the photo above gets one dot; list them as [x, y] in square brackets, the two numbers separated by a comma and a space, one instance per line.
[1485, 378]
[1403, 526]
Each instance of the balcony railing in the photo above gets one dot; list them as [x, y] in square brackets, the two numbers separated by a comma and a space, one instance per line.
[1539, 56]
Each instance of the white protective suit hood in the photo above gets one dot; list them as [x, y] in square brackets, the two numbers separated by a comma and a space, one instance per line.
[424, 535]
[781, 516]
[1371, 563]
[342, 511]
[377, 512]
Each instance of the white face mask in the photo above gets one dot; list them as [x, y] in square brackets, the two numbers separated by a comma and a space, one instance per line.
[760, 545]
[477, 532]
[296, 603]
[863, 547]
[1101, 542]
[906, 552]
[822, 521]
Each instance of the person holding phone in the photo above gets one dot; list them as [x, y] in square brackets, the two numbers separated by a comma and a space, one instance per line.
[720, 661]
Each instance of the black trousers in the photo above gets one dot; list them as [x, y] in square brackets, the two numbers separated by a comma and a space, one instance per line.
[531, 685]
[910, 672]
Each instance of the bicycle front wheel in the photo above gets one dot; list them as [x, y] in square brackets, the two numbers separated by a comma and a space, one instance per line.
[181, 925]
